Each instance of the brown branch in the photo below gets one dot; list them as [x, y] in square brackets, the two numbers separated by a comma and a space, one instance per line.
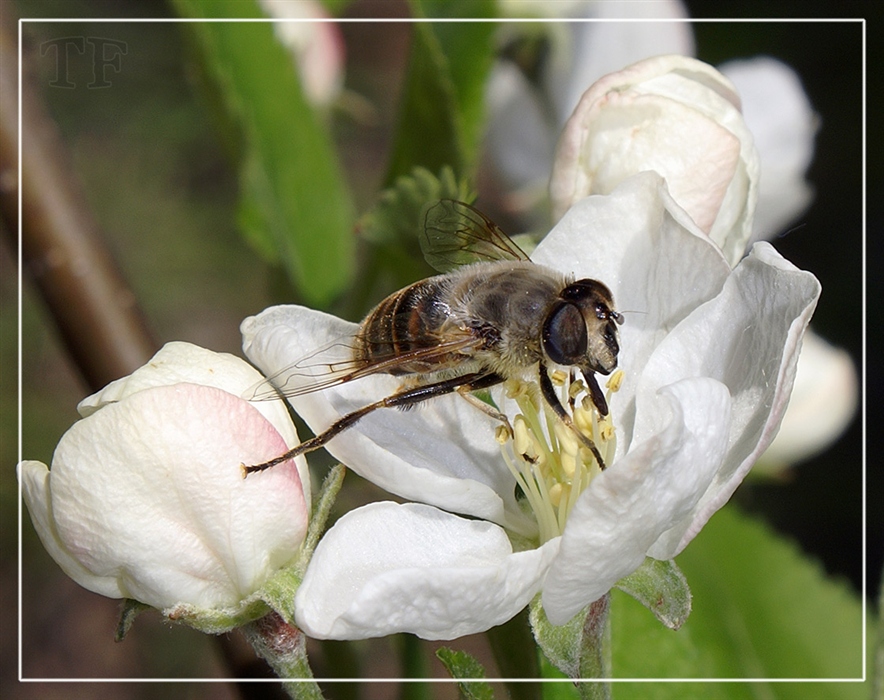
[96, 312]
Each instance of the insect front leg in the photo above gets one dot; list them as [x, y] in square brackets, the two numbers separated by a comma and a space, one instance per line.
[549, 395]
[401, 399]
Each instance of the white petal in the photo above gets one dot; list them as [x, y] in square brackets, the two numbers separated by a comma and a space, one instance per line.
[783, 124]
[748, 338]
[658, 265]
[639, 497]
[178, 362]
[823, 402]
[148, 491]
[35, 483]
[388, 568]
[525, 119]
[442, 453]
[598, 48]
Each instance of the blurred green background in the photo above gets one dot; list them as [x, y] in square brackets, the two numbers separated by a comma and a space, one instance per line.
[159, 180]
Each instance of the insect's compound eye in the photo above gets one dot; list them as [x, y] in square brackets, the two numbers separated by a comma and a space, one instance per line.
[564, 334]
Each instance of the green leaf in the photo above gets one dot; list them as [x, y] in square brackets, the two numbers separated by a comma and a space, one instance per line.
[335, 7]
[295, 207]
[462, 665]
[442, 112]
[878, 658]
[470, 50]
[761, 610]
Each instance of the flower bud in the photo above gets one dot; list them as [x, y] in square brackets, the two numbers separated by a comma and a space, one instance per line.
[676, 116]
[145, 499]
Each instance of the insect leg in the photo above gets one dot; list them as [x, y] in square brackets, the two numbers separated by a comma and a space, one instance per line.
[401, 399]
[595, 391]
[483, 383]
[549, 395]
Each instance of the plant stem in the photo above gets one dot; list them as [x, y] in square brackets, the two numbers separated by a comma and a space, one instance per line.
[516, 654]
[284, 647]
[595, 653]
[95, 310]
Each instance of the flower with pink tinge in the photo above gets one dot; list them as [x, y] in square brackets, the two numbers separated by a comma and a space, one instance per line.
[145, 497]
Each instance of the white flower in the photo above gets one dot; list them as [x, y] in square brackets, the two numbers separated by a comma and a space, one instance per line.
[823, 403]
[679, 117]
[145, 498]
[316, 45]
[527, 117]
[783, 125]
[708, 354]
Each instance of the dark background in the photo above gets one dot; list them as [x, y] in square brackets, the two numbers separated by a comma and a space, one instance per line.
[163, 190]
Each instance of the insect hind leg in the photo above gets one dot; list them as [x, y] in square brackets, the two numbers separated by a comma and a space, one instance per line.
[489, 410]
[403, 399]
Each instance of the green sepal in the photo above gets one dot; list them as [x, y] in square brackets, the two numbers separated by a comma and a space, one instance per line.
[279, 591]
[462, 666]
[218, 620]
[129, 610]
[661, 588]
[581, 647]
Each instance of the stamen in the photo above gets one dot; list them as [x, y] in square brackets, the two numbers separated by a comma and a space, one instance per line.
[577, 387]
[550, 464]
[615, 380]
[521, 439]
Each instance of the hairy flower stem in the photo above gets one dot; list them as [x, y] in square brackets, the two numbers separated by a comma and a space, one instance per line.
[283, 646]
[595, 661]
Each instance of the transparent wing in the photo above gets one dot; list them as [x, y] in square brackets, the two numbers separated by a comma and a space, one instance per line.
[456, 234]
[336, 363]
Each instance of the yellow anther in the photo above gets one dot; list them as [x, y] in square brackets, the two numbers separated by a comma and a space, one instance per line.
[577, 387]
[567, 439]
[503, 434]
[556, 492]
[522, 437]
[558, 377]
[569, 463]
[606, 430]
[615, 381]
[583, 419]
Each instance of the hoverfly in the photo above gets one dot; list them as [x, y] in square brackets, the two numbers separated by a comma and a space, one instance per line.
[492, 315]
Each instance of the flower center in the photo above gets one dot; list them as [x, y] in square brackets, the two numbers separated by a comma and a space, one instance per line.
[551, 465]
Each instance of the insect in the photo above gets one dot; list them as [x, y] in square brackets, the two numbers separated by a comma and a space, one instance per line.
[491, 316]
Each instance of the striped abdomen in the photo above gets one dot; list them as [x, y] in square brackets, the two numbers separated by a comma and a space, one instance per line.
[411, 319]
